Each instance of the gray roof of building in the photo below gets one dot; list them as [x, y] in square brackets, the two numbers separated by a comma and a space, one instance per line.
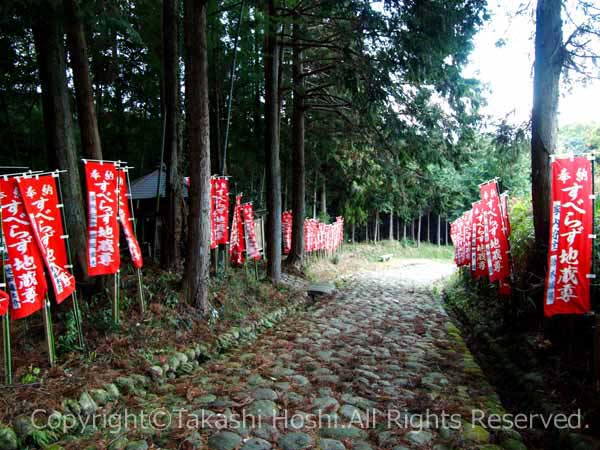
[144, 188]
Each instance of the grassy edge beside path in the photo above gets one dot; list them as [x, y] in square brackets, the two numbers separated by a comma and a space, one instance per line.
[352, 258]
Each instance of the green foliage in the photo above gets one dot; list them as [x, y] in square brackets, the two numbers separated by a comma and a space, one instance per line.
[68, 340]
[522, 239]
[33, 375]
[579, 138]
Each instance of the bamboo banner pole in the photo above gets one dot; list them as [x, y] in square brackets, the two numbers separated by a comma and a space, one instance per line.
[596, 325]
[76, 310]
[138, 270]
[117, 277]
[49, 332]
[5, 317]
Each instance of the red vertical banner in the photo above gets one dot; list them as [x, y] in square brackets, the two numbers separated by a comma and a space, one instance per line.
[496, 241]
[307, 236]
[40, 200]
[467, 228]
[251, 245]
[236, 243]
[24, 265]
[213, 241]
[478, 253]
[103, 224]
[3, 302]
[286, 228]
[505, 214]
[571, 227]
[221, 210]
[126, 221]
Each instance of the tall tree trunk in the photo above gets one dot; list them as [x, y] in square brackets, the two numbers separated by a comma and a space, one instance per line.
[446, 228]
[412, 230]
[171, 253]
[323, 198]
[429, 227]
[439, 230]
[271, 63]
[84, 93]
[353, 232]
[391, 225]
[404, 232]
[197, 263]
[549, 58]
[298, 163]
[58, 124]
[315, 198]
[419, 231]
[367, 232]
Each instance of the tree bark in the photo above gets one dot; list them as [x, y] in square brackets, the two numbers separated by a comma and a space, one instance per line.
[391, 225]
[404, 231]
[171, 250]
[315, 198]
[58, 124]
[298, 163]
[353, 232]
[445, 231]
[429, 227]
[367, 232]
[412, 230]
[197, 264]
[323, 198]
[419, 231]
[271, 65]
[439, 230]
[549, 58]
[84, 93]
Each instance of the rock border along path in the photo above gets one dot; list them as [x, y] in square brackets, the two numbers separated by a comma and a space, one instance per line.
[379, 364]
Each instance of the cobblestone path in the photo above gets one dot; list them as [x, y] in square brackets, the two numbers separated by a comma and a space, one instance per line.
[379, 365]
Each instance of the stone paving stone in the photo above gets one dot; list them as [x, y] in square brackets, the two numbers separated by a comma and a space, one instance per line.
[381, 350]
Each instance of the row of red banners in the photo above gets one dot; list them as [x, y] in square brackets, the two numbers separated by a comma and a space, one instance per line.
[34, 239]
[317, 235]
[243, 241]
[108, 210]
[480, 237]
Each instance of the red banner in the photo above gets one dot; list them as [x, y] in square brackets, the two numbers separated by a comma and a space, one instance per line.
[286, 227]
[505, 214]
[3, 303]
[570, 247]
[467, 232]
[478, 254]
[24, 266]
[126, 221]
[457, 234]
[221, 210]
[496, 242]
[236, 245]
[103, 225]
[40, 199]
[251, 245]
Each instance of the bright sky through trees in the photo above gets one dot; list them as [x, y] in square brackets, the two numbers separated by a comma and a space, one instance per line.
[506, 69]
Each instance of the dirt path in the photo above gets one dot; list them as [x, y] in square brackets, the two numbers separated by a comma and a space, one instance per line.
[379, 365]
